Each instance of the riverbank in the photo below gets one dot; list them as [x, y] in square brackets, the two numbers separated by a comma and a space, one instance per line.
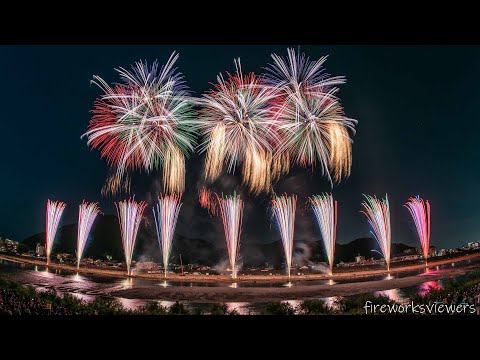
[242, 278]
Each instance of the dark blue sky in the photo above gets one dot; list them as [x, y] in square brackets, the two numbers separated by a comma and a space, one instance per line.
[417, 107]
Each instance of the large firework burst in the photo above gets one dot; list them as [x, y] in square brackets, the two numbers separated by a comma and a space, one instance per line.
[144, 122]
[238, 126]
[310, 119]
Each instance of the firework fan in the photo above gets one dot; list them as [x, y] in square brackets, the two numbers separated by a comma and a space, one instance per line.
[420, 211]
[378, 215]
[54, 213]
[231, 210]
[325, 209]
[311, 122]
[130, 215]
[165, 216]
[86, 216]
[284, 211]
[238, 126]
[145, 122]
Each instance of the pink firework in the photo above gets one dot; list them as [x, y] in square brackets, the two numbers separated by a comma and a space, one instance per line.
[420, 211]
[284, 208]
[129, 215]
[54, 213]
[231, 209]
[87, 212]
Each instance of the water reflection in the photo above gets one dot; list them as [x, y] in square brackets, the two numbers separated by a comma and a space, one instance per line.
[426, 287]
[240, 307]
[234, 285]
[393, 294]
[289, 284]
[164, 284]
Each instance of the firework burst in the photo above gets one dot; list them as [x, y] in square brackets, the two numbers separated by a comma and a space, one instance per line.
[325, 209]
[420, 211]
[378, 215]
[54, 213]
[86, 216]
[144, 122]
[311, 122]
[130, 215]
[284, 211]
[231, 210]
[238, 125]
[165, 216]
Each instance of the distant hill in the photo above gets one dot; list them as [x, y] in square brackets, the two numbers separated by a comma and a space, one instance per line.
[105, 239]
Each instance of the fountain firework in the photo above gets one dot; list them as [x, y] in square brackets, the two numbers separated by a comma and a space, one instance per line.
[87, 212]
[378, 215]
[325, 209]
[231, 210]
[165, 216]
[284, 211]
[130, 215]
[420, 211]
[54, 213]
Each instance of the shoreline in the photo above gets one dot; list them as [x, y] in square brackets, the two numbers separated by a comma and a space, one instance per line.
[300, 290]
[267, 279]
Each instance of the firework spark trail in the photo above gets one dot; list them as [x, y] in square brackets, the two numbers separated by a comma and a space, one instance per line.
[54, 213]
[165, 216]
[145, 121]
[238, 125]
[129, 215]
[325, 209]
[207, 201]
[378, 215]
[87, 212]
[231, 210]
[310, 120]
[114, 184]
[420, 211]
[284, 211]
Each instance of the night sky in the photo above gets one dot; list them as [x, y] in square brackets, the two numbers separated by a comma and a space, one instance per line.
[417, 107]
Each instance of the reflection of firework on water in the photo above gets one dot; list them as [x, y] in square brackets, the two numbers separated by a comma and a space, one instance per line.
[325, 209]
[231, 210]
[207, 201]
[238, 126]
[378, 215]
[86, 216]
[420, 211]
[54, 213]
[165, 215]
[284, 211]
[144, 122]
[129, 215]
[311, 122]
[114, 184]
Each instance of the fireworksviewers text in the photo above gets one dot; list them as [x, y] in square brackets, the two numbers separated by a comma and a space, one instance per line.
[436, 308]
